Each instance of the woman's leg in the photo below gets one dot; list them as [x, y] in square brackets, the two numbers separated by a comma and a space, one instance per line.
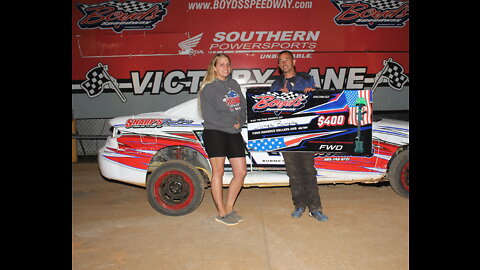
[239, 168]
[217, 164]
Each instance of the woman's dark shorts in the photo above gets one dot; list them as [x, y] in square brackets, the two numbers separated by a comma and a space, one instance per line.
[223, 144]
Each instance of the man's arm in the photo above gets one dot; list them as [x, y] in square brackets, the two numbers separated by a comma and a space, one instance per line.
[309, 84]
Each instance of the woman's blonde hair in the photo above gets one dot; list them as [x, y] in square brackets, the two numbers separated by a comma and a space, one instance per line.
[210, 76]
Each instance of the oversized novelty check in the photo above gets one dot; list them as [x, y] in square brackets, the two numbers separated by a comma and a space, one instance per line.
[335, 122]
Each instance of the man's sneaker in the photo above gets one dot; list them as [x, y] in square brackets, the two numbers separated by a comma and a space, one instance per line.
[228, 219]
[298, 212]
[236, 215]
[318, 215]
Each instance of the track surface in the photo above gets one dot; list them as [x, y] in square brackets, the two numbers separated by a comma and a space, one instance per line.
[114, 227]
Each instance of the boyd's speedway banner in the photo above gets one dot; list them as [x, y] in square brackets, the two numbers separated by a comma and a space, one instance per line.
[337, 122]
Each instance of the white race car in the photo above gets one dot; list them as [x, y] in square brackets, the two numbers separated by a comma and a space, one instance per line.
[164, 152]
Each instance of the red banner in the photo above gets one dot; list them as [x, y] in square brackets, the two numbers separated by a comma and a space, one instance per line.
[168, 45]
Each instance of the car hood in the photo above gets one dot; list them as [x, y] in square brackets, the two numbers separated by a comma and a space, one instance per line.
[183, 117]
[390, 130]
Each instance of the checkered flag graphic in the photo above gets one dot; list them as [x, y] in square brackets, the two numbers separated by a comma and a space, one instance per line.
[384, 4]
[127, 6]
[283, 96]
[97, 79]
[379, 4]
[285, 101]
[131, 6]
[393, 72]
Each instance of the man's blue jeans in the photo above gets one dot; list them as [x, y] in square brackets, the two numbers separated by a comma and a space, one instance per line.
[303, 180]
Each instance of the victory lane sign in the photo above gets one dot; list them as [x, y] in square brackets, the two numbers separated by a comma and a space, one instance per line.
[337, 122]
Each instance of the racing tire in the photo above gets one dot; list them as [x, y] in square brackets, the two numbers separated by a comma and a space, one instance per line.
[399, 174]
[175, 188]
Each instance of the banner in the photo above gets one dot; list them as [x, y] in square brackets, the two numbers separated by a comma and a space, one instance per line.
[154, 54]
[337, 122]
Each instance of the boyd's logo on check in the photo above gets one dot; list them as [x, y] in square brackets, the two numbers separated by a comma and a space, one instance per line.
[277, 102]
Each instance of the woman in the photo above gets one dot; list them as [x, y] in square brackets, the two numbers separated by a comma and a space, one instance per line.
[224, 112]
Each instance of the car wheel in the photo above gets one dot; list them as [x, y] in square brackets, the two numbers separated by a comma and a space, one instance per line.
[399, 174]
[175, 188]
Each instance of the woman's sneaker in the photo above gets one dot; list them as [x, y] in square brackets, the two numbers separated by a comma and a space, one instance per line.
[236, 215]
[228, 219]
[318, 215]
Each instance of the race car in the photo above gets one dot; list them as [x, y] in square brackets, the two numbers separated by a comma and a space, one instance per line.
[164, 152]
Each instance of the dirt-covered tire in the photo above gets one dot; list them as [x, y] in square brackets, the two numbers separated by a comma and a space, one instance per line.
[175, 188]
[398, 174]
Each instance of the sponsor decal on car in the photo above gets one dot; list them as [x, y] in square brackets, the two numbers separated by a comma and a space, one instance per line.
[156, 122]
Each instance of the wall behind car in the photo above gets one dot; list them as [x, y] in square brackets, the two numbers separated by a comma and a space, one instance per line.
[131, 57]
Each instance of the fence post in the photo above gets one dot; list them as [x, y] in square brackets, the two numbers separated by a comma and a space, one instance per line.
[74, 142]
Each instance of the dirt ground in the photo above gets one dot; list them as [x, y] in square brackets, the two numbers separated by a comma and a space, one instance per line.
[114, 227]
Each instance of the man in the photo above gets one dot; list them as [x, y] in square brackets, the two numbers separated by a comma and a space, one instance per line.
[300, 165]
